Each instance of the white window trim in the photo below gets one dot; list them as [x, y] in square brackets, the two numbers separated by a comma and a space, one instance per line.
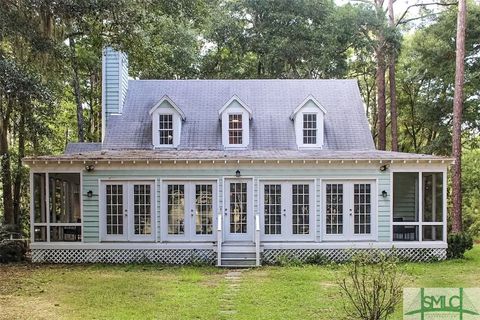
[420, 223]
[297, 117]
[224, 114]
[177, 117]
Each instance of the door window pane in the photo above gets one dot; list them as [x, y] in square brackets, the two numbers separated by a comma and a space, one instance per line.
[405, 233]
[204, 209]
[334, 208]
[362, 208]
[405, 197]
[176, 209]
[273, 208]
[238, 207]
[301, 208]
[142, 214]
[432, 197]
[114, 209]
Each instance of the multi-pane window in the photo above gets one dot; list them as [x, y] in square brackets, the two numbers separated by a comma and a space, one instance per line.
[235, 129]
[142, 209]
[204, 209]
[334, 208]
[176, 209]
[238, 207]
[114, 203]
[273, 208]
[309, 128]
[301, 208]
[165, 127]
[362, 208]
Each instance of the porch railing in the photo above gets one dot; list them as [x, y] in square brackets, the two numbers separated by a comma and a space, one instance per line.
[219, 239]
[257, 240]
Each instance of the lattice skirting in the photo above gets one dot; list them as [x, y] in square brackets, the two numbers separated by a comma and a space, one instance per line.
[162, 256]
[270, 256]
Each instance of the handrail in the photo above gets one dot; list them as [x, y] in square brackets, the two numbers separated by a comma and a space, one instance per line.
[219, 239]
[257, 240]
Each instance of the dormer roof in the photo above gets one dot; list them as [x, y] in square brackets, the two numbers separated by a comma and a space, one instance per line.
[171, 103]
[304, 102]
[229, 102]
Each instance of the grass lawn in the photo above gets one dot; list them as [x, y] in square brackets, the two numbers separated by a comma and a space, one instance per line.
[155, 292]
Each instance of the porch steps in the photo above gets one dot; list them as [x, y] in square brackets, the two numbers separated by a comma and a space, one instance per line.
[238, 255]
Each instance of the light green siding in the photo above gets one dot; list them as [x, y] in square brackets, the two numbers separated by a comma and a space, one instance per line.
[91, 182]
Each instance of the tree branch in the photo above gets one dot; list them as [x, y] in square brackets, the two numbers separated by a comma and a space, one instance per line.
[399, 21]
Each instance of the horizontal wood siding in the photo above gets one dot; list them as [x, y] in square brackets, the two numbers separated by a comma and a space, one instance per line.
[91, 182]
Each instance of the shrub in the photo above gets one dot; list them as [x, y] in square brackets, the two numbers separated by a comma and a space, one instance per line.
[317, 258]
[372, 286]
[288, 261]
[12, 251]
[458, 244]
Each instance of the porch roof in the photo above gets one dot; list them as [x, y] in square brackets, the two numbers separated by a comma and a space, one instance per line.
[249, 155]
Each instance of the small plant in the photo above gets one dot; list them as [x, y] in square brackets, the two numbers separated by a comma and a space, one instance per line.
[316, 258]
[372, 286]
[12, 251]
[458, 244]
[288, 261]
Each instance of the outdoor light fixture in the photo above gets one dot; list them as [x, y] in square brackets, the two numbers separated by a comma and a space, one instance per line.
[89, 193]
[89, 167]
[384, 194]
[237, 173]
[384, 167]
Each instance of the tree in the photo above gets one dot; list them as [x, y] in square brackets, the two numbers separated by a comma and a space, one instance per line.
[457, 117]
[391, 77]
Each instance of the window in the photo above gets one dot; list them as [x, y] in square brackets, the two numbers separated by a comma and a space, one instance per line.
[165, 128]
[235, 129]
[415, 218]
[176, 209]
[272, 208]
[309, 128]
[300, 209]
[56, 207]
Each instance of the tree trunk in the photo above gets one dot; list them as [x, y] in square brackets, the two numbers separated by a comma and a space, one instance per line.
[17, 186]
[457, 118]
[6, 170]
[391, 75]
[76, 90]
[381, 105]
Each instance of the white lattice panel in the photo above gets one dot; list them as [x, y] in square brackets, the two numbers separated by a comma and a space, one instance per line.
[162, 256]
[340, 255]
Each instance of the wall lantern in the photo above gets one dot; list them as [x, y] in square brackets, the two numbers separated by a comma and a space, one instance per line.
[89, 193]
[89, 167]
[384, 194]
[237, 173]
[384, 167]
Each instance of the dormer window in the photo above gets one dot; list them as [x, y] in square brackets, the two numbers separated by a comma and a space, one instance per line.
[167, 120]
[308, 120]
[235, 116]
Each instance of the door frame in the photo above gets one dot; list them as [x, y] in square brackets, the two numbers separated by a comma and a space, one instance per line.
[249, 235]
[286, 204]
[189, 227]
[128, 235]
[348, 220]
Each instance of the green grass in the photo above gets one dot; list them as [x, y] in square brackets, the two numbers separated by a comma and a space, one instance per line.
[155, 292]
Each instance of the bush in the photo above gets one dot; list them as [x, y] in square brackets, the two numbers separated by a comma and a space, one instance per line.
[288, 261]
[458, 244]
[317, 258]
[12, 251]
[372, 286]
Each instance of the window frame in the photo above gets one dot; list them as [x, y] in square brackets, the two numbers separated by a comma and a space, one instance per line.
[420, 223]
[160, 130]
[315, 129]
[226, 129]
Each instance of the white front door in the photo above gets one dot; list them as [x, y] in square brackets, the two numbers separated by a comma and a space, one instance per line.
[238, 211]
[188, 210]
[127, 210]
[287, 210]
[349, 210]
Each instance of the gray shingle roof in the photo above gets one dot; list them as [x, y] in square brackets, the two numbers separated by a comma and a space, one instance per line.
[272, 102]
[81, 147]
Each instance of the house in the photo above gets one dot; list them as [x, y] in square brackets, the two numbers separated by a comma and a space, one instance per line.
[233, 172]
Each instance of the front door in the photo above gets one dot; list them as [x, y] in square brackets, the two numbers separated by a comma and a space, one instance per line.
[127, 210]
[238, 211]
[188, 210]
[287, 210]
[349, 210]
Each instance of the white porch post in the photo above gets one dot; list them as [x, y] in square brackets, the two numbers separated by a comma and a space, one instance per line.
[219, 238]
